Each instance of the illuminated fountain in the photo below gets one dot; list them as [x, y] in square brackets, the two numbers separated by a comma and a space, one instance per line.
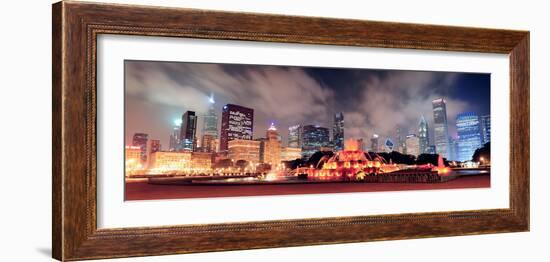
[353, 164]
[348, 165]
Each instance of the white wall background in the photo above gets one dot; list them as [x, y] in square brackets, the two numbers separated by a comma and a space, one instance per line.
[25, 84]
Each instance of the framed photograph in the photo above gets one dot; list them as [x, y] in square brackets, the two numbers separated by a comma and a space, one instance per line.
[181, 130]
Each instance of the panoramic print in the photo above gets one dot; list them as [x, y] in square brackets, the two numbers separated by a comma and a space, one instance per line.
[199, 130]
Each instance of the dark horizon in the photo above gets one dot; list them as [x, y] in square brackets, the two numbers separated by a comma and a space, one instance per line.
[372, 100]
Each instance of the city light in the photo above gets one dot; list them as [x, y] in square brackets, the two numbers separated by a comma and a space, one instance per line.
[266, 158]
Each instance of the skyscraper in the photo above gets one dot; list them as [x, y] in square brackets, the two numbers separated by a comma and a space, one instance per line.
[295, 136]
[441, 133]
[140, 140]
[469, 136]
[338, 131]
[400, 141]
[237, 123]
[175, 136]
[413, 145]
[486, 128]
[453, 148]
[188, 131]
[423, 135]
[210, 123]
[314, 137]
[272, 149]
[374, 143]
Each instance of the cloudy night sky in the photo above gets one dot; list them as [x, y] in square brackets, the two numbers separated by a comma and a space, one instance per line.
[373, 101]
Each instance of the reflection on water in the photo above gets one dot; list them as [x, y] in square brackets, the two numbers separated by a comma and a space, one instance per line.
[259, 179]
[470, 172]
[286, 178]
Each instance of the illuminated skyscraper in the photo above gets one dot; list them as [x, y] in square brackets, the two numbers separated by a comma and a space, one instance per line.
[188, 132]
[469, 135]
[210, 123]
[486, 128]
[338, 132]
[272, 147]
[237, 123]
[401, 148]
[210, 128]
[441, 133]
[295, 136]
[175, 136]
[314, 138]
[423, 135]
[140, 140]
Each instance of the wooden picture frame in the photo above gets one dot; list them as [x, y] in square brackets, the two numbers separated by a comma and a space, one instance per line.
[76, 26]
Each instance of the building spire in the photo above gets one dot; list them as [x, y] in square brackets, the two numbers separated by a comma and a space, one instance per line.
[211, 98]
[422, 119]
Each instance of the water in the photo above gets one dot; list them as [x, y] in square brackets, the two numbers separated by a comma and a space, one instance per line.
[470, 172]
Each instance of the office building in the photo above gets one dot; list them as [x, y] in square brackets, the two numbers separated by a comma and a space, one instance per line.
[237, 123]
[413, 144]
[140, 140]
[469, 135]
[170, 161]
[295, 136]
[290, 153]
[486, 128]
[313, 138]
[423, 135]
[210, 121]
[272, 147]
[338, 132]
[240, 149]
[441, 132]
[188, 132]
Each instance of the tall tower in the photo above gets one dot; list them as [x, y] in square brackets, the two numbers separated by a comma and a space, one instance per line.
[237, 123]
[210, 127]
[469, 135]
[441, 131]
[401, 147]
[188, 131]
[272, 149]
[210, 124]
[175, 136]
[338, 132]
[423, 135]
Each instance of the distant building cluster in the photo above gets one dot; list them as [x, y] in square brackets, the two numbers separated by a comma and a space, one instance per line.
[473, 132]
[235, 141]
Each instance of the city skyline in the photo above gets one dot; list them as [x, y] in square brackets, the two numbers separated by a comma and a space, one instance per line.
[325, 80]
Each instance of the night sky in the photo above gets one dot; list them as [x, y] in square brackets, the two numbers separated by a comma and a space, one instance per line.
[373, 101]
